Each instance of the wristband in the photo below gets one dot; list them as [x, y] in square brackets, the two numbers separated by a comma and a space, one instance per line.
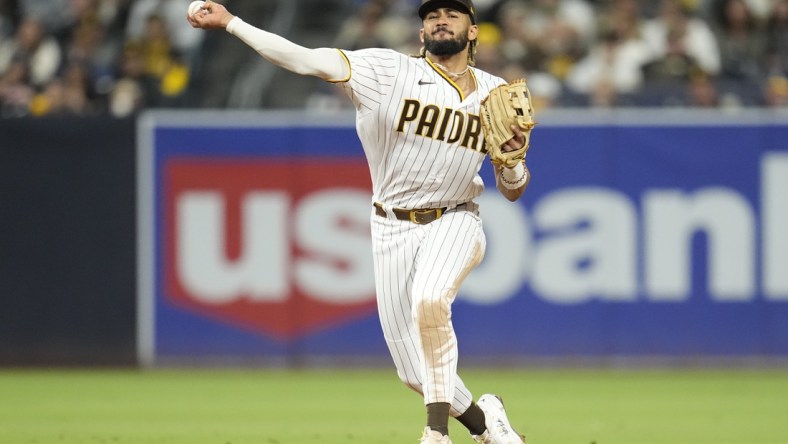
[514, 178]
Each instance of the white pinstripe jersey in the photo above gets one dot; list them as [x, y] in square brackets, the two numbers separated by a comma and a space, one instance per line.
[422, 138]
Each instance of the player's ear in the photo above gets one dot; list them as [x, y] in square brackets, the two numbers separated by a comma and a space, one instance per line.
[421, 35]
[473, 32]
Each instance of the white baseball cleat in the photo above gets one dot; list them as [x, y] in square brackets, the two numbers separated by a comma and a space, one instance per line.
[499, 431]
[433, 437]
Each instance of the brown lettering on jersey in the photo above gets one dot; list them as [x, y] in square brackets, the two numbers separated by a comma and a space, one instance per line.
[436, 123]
[473, 132]
[409, 113]
[427, 120]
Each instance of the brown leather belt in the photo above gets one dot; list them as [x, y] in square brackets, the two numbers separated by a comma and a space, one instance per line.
[421, 217]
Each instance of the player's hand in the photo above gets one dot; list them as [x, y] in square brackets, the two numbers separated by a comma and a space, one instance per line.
[211, 16]
[516, 142]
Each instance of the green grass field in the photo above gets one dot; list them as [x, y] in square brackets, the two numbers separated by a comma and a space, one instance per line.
[370, 406]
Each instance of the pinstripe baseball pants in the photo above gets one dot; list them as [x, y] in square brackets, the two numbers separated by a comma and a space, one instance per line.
[418, 272]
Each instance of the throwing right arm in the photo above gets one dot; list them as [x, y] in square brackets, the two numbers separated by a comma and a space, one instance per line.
[325, 63]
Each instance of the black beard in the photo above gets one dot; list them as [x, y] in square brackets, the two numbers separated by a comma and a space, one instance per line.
[445, 47]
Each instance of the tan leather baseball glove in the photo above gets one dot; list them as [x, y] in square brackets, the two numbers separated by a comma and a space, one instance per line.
[507, 105]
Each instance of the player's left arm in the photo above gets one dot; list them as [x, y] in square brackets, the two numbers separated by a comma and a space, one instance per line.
[512, 182]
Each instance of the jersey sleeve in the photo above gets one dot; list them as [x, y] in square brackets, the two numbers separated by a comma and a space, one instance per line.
[372, 75]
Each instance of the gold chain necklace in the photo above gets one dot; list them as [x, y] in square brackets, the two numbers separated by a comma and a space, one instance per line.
[453, 74]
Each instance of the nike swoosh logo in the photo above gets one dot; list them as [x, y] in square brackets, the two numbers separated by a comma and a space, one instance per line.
[424, 82]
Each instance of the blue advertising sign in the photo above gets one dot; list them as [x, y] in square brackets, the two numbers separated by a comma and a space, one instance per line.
[640, 235]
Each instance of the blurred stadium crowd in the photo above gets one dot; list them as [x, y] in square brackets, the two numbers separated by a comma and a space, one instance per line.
[116, 57]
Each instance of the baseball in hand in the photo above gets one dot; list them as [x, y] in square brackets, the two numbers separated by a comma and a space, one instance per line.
[195, 6]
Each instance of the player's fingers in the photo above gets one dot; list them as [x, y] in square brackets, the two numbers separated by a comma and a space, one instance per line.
[213, 10]
[202, 18]
[197, 20]
[519, 136]
[515, 143]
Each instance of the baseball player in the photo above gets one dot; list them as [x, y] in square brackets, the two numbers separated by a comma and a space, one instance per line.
[418, 121]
